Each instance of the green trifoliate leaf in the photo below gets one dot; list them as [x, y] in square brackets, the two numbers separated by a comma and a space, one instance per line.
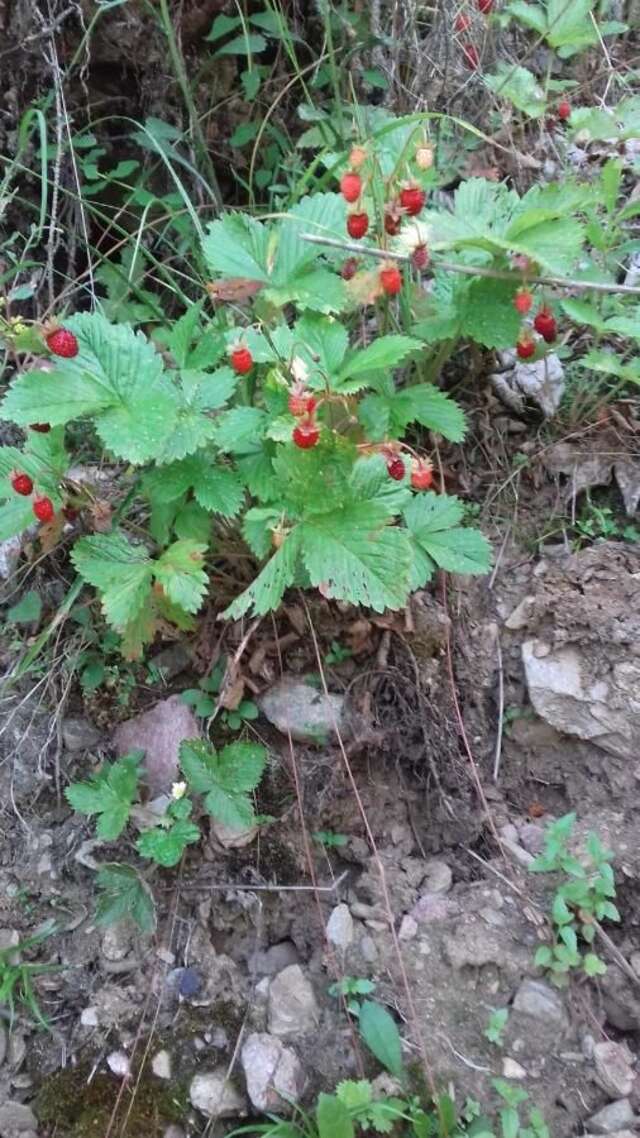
[109, 794]
[124, 895]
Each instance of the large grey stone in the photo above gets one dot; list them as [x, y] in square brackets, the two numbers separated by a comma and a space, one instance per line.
[518, 383]
[15, 1119]
[540, 1001]
[273, 1072]
[612, 1118]
[614, 1072]
[158, 732]
[310, 716]
[340, 928]
[78, 734]
[215, 1096]
[292, 1008]
[604, 711]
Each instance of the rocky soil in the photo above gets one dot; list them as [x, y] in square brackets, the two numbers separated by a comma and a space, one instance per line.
[226, 1012]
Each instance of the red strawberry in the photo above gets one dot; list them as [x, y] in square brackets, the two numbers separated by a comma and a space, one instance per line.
[306, 434]
[301, 403]
[43, 428]
[349, 269]
[392, 219]
[525, 347]
[351, 186]
[470, 52]
[62, 342]
[241, 360]
[545, 324]
[357, 225]
[43, 509]
[412, 199]
[485, 6]
[564, 110]
[421, 475]
[22, 484]
[395, 468]
[522, 301]
[391, 280]
[462, 22]
[420, 257]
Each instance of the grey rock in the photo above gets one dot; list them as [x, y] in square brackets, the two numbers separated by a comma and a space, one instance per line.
[90, 1017]
[433, 907]
[292, 1007]
[474, 944]
[614, 1072]
[215, 1096]
[171, 661]
[532, 837]
[274, 959]
[620, 999]
[519, 618]
[273, 1072]
[158, 732]
[15, 1119]
[119, 1063]
[368, 949]
[540, 382]
[540, 1001]
[439, 877]
[340, 928]
[310, 716]
[174, 1131]
[604, 712]
[408, 928]
[230, 838]
[612, 1118]
[10, 550]
[79, 735]
[512, 1070]
[161, 1065]
[3, 1044]
[116, 941]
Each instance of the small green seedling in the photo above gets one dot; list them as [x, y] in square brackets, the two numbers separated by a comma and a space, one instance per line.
[582, 899]
[349, 988]
[337, 654]
[329, 839]
[496, 1025]
[17, 977]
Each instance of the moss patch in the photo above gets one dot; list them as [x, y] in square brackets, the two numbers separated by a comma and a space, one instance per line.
[83, 1110]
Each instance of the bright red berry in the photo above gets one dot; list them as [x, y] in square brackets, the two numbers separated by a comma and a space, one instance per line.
[471, 55]
[395, 468]
[351, 186]
[349, 269]
[62, 342]
[306, 434]
[525, 347]
[420, 257]
[391, 280]
[301, 403]
[462, 22]
[43, 509]
[545, 324]
[522, 301]
[42, 428]
[22, 484]
[241, 361]
[412, 199]
[564, 110]
[485, 6]
[357, 225]
[422, 475]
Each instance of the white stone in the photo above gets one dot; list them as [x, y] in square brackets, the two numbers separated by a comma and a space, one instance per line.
[215, 1096]
[292, 1008]
[340, 927]
[118, 1062]
[512, 1070]
[613, 1069]
[273, 1072]
[161, 1065]
[89, 1017]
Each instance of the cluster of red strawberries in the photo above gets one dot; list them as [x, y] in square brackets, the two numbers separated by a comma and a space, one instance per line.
[61, 342]
[544, 323]
[462, 24]
[408, 202]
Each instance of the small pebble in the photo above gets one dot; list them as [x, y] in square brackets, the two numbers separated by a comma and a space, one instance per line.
[119, 1063]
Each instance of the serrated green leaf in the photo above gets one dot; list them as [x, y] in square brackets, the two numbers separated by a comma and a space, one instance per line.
[239, 431]
[215, 388]
[427, 405]
[122, 895]
[252, 44]
[321, 342]
[119, 570]
[194, 522]
[16, 515]
[316, 288]
[27, 610]
[217, 489]
[267, 590]
[225, 778]
[237, 246]
[354, 1095]
[241, 766]
[593, 965]
[432, 520]
[355, 556]
[179, 570]
[380, 1033]
[332, 1118]
[520, 87]
[321, 214]
[183, 332]
[583, 313]
[191, 430]
[531, 15]
[489, 316]
[167, 845]
[555, 245]
[257, 526]
[384, 353]
[52, 397]
[109, 794]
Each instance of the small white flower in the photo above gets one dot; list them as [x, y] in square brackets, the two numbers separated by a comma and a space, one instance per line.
[299, 369]
[178, 790]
